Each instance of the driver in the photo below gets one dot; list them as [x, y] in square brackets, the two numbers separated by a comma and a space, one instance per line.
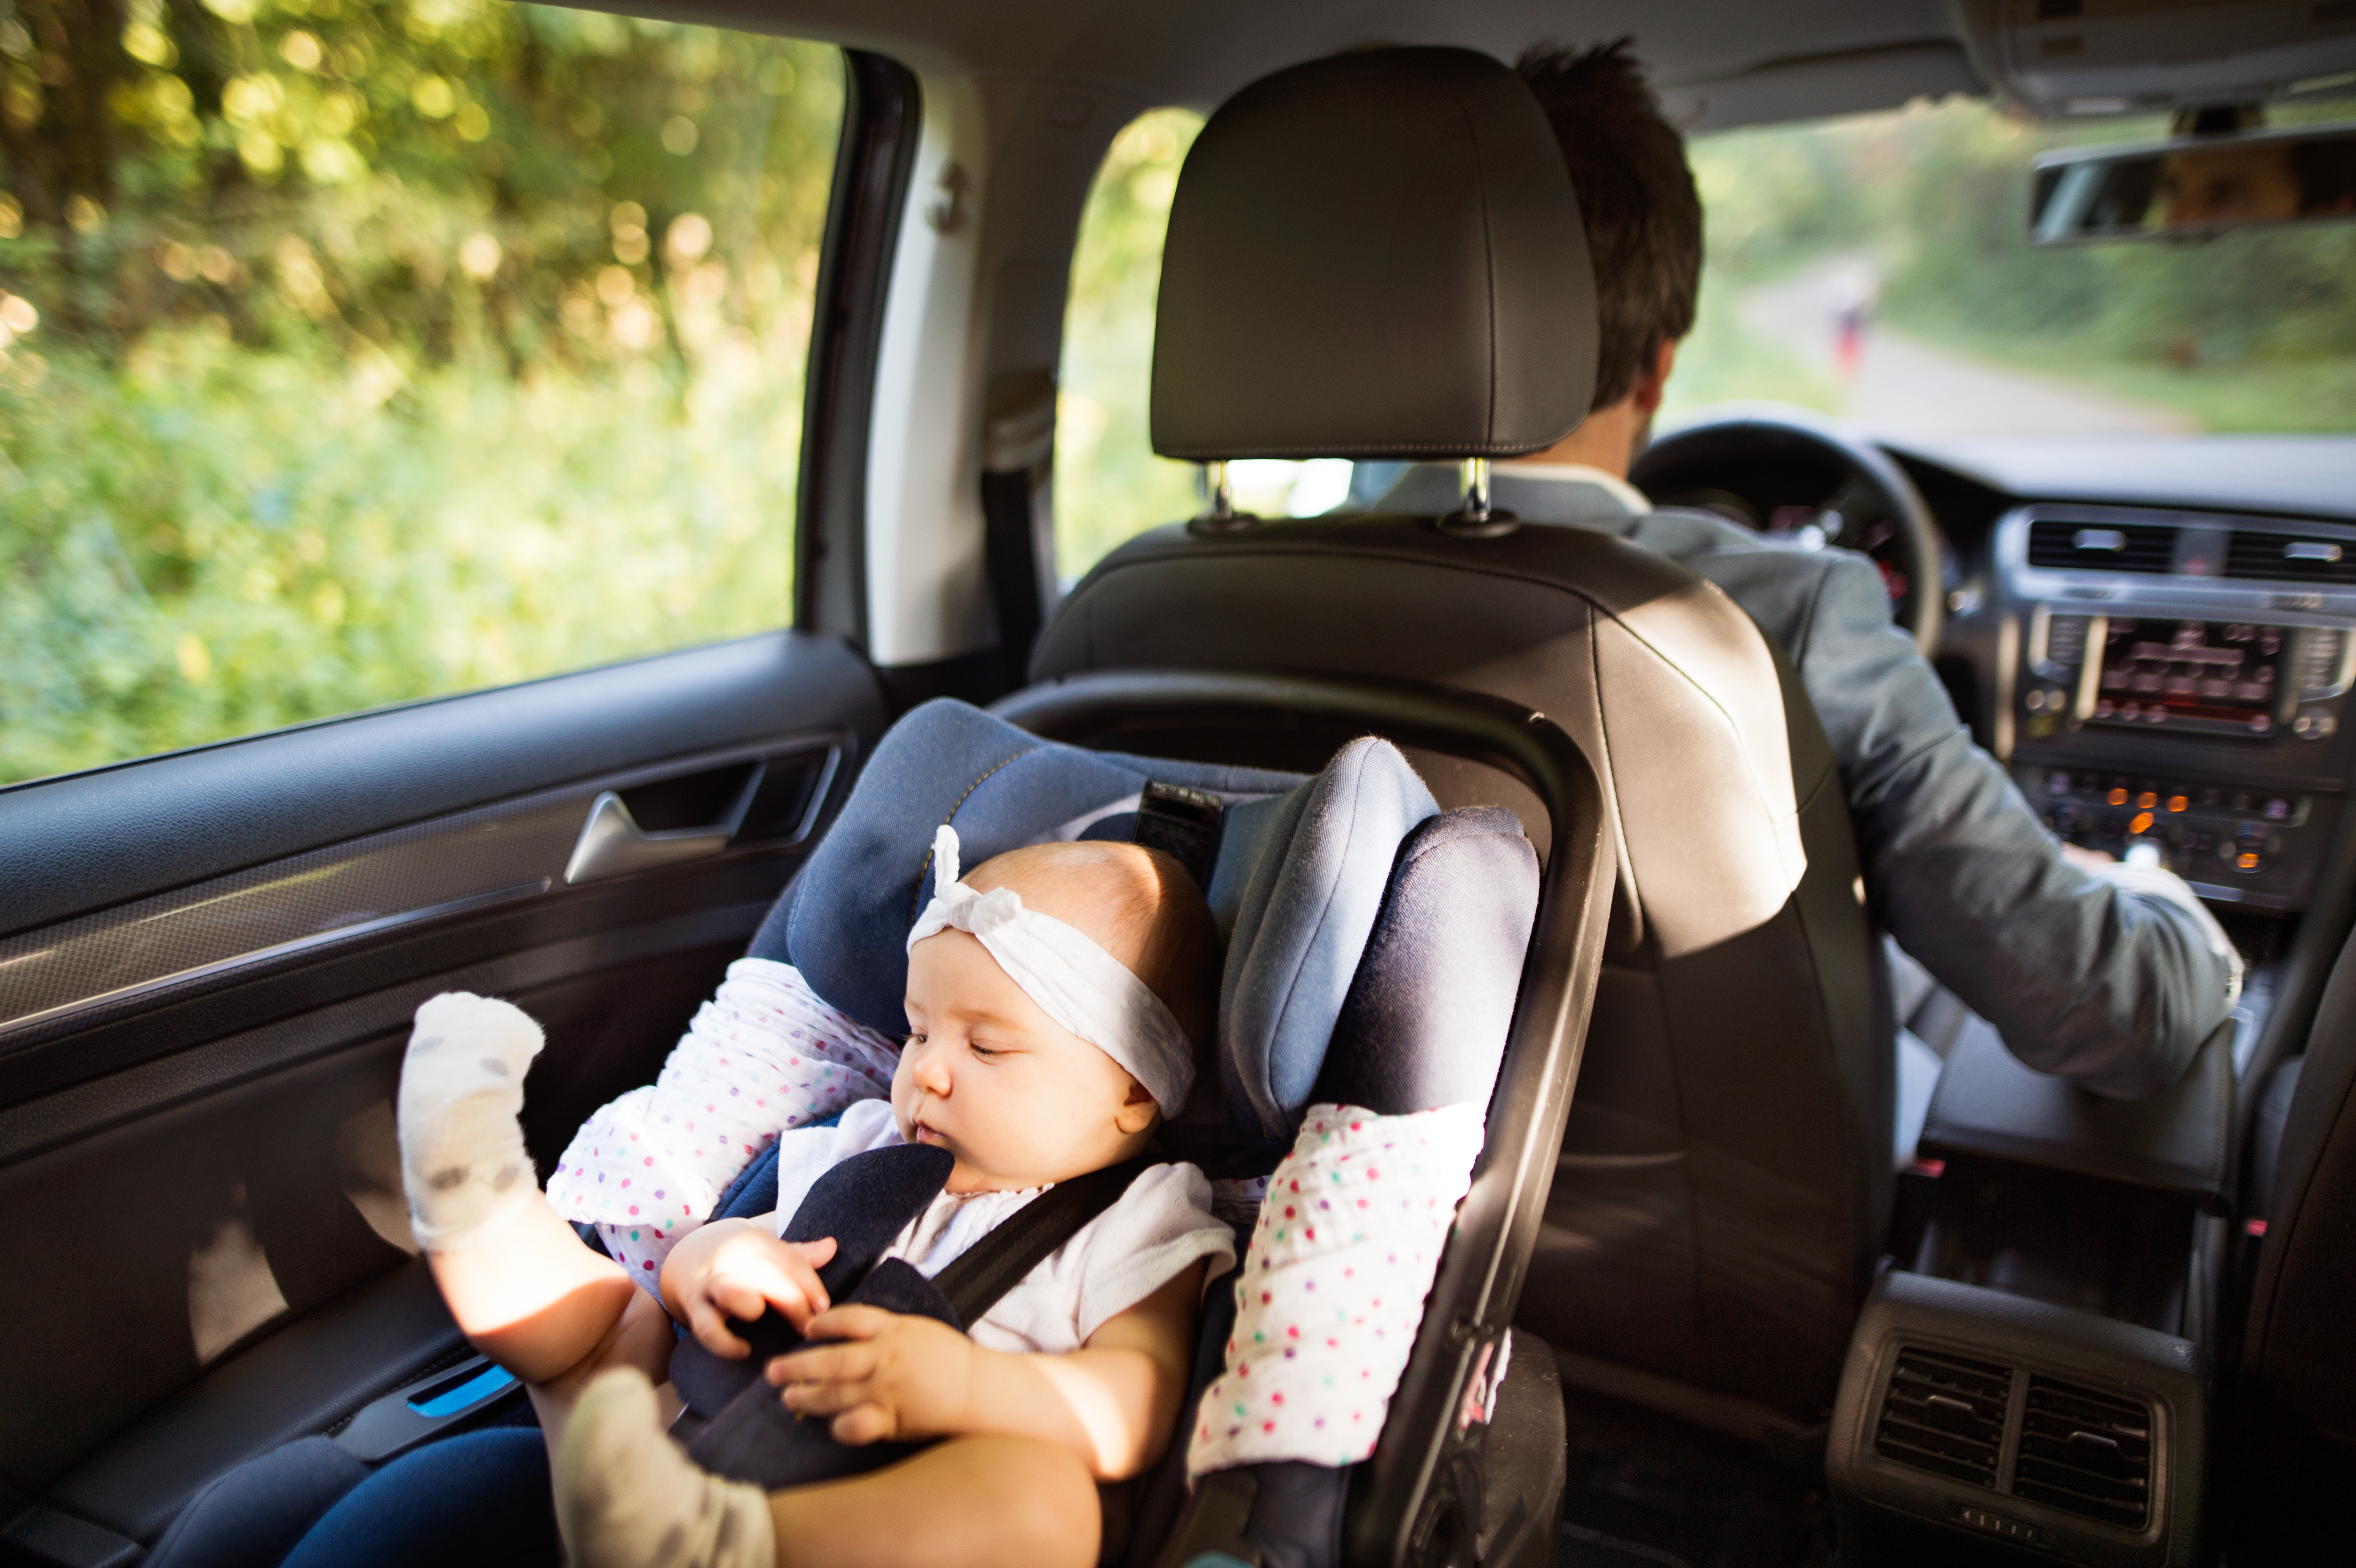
[2108, 973]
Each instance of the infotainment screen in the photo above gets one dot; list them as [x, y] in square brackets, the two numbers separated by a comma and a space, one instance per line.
[2213, 676]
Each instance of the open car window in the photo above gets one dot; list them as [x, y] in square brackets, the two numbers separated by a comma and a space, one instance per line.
[355, 354]
[1109, 486]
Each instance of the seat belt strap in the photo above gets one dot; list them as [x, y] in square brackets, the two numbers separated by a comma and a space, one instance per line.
[998, 1262]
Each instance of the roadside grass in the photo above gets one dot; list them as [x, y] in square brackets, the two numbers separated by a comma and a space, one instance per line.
[2252, 395]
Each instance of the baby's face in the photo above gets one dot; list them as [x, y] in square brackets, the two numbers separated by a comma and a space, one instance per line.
[988, 1075]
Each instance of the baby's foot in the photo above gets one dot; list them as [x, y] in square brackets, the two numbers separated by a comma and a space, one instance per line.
[462, 1153]
[627, 1496]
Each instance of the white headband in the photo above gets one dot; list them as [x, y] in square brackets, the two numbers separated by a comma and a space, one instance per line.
[1074, 982]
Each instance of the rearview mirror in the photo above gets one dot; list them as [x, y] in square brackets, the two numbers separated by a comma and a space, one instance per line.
[2193, 186]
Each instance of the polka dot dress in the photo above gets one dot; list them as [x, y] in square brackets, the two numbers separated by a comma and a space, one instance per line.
[1330, 1296]
[765, 1053]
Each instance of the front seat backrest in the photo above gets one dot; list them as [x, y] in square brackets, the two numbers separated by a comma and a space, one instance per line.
[2295, 1405]
[1724, 1184]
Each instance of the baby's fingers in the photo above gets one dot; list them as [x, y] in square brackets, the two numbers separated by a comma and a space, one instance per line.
[711, 1330]
[862, 1425]
[821, 1365]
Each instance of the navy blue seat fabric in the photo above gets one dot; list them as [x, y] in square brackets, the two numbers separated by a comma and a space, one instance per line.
[1374, 948]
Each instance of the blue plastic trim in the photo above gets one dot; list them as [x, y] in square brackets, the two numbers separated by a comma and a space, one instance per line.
[481, 1386]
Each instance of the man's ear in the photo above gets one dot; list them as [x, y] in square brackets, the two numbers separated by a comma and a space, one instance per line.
[1653, 381]
[1137, 1112]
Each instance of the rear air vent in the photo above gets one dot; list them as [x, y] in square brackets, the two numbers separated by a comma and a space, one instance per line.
[2085, 1453]
[2290, 558]
[2056, 543]
[1945, 1415]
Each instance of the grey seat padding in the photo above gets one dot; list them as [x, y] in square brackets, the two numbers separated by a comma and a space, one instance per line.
[1299, 881]
[1316, 199]
[1308, 903]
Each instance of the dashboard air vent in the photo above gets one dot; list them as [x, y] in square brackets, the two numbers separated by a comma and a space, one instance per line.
[2056, 543]
[2290, 558]
[2085, 1453]
[1945, 1415]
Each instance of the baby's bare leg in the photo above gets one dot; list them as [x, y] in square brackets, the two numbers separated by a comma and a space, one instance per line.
[970, 1502]
[627, 1496]
[522, 1286]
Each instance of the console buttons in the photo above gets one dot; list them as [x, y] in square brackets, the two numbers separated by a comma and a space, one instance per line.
[2250, 849]
[2178, 803]
[2278, 810]
[2116, 797]
[2057, 783]
[2313, 725]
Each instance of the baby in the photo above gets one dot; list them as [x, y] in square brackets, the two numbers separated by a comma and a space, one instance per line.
[1055, 1003]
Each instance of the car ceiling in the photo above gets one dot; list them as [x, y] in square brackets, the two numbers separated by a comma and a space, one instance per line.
[1720, 63]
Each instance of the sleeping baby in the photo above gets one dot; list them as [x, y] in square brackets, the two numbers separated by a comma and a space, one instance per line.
[1056, 1002]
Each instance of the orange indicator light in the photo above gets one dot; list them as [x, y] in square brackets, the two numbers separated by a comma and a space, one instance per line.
[2142, 824]
[2117, 797]
[2247, 861]
[2177, 803]
[2146, 800]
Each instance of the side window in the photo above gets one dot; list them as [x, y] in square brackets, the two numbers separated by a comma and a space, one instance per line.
[358, 351]
[1109, 486]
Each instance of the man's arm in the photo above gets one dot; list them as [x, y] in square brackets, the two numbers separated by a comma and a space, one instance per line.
[2109, 984]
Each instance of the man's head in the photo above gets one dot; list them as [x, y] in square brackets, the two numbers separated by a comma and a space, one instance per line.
[988, 1074]
[1642, 216]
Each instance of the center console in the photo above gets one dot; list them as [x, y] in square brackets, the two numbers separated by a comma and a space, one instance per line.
[2182, 681]
[2031, 1379]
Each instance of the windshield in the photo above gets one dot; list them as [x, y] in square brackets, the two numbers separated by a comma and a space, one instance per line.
[1877, 267]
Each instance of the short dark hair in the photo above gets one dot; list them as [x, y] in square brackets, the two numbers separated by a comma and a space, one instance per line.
[1636, 197]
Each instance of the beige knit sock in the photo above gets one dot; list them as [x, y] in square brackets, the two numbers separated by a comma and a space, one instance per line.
[628, 1496]
[462, 1157]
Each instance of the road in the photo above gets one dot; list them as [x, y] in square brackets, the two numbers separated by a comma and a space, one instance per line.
[1902, 386]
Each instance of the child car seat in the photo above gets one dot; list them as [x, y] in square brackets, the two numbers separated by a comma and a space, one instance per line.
[1375, 947]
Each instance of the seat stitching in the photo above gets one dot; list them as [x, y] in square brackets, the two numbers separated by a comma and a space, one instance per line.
[927, 863]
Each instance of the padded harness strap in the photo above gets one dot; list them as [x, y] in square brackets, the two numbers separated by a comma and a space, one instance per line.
[998, 1262]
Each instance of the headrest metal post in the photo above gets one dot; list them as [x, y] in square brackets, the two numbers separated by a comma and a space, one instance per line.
[1475, 485]
[1477, 518]
[1222, 518]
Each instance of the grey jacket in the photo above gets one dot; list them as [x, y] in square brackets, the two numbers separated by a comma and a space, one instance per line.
[2112, 985]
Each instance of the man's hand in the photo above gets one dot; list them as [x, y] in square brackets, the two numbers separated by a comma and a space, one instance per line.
[885, 1375]
[2087, 859]
[733, 1268]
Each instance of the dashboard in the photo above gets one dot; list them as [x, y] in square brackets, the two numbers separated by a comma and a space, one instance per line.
[2158, 641]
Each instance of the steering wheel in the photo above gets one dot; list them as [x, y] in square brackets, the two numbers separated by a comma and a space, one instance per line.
[1793, 474]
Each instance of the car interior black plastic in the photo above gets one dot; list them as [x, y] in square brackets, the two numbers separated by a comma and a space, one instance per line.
[873, 160]
[2179, 1140]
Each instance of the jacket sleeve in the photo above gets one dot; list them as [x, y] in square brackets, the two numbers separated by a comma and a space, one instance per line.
[2109, 981]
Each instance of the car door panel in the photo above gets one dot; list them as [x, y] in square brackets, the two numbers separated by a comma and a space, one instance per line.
[198, 1054]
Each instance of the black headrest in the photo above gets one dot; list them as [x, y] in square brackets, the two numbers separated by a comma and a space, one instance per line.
[1375, 256]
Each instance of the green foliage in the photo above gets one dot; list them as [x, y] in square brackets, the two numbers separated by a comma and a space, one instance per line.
[2254, 331]
[363, 350]
[1108, 484]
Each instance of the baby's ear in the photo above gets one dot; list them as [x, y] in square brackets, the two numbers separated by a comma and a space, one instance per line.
[1137, 1110]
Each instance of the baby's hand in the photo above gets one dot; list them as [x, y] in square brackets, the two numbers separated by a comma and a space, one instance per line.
[733, 1268]
[887, 1375]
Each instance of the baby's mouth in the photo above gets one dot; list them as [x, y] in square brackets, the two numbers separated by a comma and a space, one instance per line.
[923, 1132]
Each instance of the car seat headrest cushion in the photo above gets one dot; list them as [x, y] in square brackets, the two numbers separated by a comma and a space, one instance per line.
[844, 921]
[1428, 1014]
[1313, 867]
[1376, 255]
[1299, 880]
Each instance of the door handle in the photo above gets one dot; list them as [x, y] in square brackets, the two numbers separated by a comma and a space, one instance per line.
[613, 844]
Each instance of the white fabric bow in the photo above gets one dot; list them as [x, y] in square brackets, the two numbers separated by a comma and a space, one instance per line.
[1074, 982]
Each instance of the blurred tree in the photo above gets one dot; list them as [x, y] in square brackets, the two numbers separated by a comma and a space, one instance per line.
[353, 351]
